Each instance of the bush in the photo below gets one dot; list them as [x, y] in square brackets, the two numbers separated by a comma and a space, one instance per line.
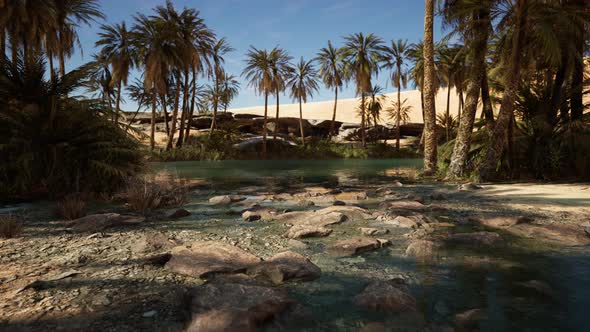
[150, 193]
[54, 143]
[71, 207]
[11, 226]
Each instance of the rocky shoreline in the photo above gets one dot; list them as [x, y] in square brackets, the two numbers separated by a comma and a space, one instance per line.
[250, 268]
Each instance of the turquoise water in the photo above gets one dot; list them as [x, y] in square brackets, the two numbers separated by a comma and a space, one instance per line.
[458, 280]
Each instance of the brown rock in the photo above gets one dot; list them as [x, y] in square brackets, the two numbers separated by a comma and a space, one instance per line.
[356, 246]
[572, 235]
[180, 213]
[287, 266]
[99, 222]
[421, 249]
[403, 205]
[305, 231]
[351, 196]
[226, 199]
[475, 239]
[205, 258]
[259, 213]
[503, 222]
[151, 242]
[468, 320]
[391, 296]
[403, 222]
[235, 307]
[373, 231]
[351, 212]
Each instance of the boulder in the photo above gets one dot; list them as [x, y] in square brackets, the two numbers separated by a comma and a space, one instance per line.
[403, 205]
[99, 222]
[422, 249]
[351, 196]
[391, 296]
[339, 203]
[469, 186]
[351, 212]
[311, 218]
[469, 320]
[226, 199]
[259, 213]
[367, 231]
[402, 222]
[475, 239]
[297, 244]
[566, 234]
[203, 259]
[317, 191]
[180, 213]
[287, 266]
[502, 222]
[235, 307]
[356, 246]
[305, 231]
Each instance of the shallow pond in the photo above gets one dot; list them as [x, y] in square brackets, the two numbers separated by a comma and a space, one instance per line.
[458, 280]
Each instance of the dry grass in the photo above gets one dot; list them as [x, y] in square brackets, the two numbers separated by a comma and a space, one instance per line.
[71, 207]
[11, 226]
[150, 193]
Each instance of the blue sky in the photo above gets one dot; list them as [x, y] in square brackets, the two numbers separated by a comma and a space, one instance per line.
[301, 27]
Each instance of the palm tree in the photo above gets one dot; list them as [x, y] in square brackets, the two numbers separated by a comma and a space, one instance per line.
[332, 71]
[259, 73]
[69, 14]
[220, 49]
[447, 64]
[400, 113]
[281, 71]
[302, 84]
[118, 49]
[363, 54]
[376, 105]
[230, 88]
[430, 139]
[394, 59]
[473, 20]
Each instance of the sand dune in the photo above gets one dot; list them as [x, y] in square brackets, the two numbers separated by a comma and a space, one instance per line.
[347, 108]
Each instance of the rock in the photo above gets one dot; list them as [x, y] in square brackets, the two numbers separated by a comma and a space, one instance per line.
[356, 246]
[351, 212]
[287, 266]
[99, 222]
[235, 307]
[305, 203]
[502, 222]
[226, 199]
[403, 222]
[206, 258]
[469, 186]
[306, 231]
[180, 213]
[423, 249]
[351, 196]
[403, 205]
[374, 327]
[566, 234]
[151, 242]
[297, 244]
[390, 296]
[317, 191]
[149, 314]
[311, 218]
[469, 320]
[438, 197]
[292, 217]
[339, 203]
[373, 231]
[540, 287]
[397, 184]
[475, 239]
[259, 213]
[587, 231]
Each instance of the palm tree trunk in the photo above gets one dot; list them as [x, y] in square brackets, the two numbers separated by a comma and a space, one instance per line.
[333, 124]
[301, 122]
[264, 125]
[430, 139]
[51, 67]
[163, 98]
[577, 85]
[461, 103]
[498, 138]
[488, 109]
[363, 117]
[174, 116]
[62, 63]
[276, 118]
[184, 109]
[153, 125]
[192, 111]
[448, 113]
[118, 103]
[215, 106]
[399, 109]
[477, 73]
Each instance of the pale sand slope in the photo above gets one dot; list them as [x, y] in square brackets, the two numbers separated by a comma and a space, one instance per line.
[347, 108]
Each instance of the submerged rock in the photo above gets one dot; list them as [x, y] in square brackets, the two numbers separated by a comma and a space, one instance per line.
[180, 213]
[540, 287]
[391, 296]
[403, 222]
[203, 259]
[502, 222]
[475, 239]
[469, 320]
[422, 249]
[403, 205]
[287, 266]
[351, 212]
[305, 231]
[373, 231]
[226, 199]
[566, 234]
[235, 307]
[99, 222]
[351, 196]
[357, 246]
[259, 213]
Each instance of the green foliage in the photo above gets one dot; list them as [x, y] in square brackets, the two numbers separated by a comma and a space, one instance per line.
[54, 143]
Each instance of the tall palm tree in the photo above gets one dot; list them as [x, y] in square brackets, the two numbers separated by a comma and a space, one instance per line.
[220, 49]
[332, 71]
[118, 49]
[375, 105]
[259, 73]
[363, 54]
[447, 63]
[403, 112]
[430, 139]
[281, 71]
[69, 14]
[394, 59]
[303, 84]
[473, 21]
